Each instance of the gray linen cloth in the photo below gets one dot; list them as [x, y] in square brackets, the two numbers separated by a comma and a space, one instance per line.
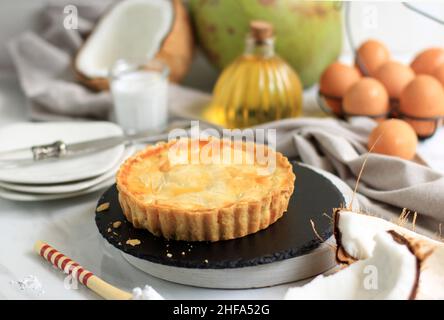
[43, 60]
[388, 184]
[340, 147]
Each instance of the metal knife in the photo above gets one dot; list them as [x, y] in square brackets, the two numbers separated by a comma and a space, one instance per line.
[60, 149]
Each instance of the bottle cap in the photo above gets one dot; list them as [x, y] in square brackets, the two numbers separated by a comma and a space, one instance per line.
[261, 30]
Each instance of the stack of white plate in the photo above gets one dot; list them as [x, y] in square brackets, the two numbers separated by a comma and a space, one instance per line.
[58, 179]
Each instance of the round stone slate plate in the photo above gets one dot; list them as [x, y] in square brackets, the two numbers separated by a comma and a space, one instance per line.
[286, 251]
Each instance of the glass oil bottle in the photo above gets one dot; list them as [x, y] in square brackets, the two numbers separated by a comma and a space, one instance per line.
[257, 87]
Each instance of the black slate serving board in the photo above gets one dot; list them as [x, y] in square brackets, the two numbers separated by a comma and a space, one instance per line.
[289, 237]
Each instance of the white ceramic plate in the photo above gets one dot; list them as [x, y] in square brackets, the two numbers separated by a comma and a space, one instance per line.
[20, 196]
[68, 187]
[24, 135]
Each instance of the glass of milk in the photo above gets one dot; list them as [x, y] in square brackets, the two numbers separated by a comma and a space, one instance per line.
[140, 93]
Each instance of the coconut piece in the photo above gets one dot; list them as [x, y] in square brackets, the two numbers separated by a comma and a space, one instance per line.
[354, 233]
[392, 272]
[136, 30]
[432, 276]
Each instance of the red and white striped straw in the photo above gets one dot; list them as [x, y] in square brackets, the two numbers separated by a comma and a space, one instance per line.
[84, 276]
[65, 264]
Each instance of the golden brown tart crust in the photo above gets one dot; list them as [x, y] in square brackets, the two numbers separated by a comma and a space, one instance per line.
[201, 202]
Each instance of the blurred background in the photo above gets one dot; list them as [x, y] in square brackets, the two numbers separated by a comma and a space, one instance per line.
[403, 31]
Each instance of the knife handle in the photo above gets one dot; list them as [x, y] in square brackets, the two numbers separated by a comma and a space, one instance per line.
[52, 150]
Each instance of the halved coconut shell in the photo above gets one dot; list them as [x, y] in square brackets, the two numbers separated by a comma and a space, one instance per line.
[169, 39]
[354, 233]
[392, 272]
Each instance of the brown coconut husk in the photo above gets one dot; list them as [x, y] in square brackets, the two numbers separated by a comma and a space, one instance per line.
[95, 84]
[342, 256]
[176, 50]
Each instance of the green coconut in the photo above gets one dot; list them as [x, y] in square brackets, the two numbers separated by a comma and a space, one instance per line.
[308, 33]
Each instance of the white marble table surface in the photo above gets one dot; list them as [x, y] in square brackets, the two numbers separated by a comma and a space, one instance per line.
[69, 226]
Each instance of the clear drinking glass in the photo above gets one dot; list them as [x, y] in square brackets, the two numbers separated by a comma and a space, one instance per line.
[140, 94]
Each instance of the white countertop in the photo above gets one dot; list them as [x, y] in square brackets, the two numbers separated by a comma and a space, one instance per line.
[69, 226]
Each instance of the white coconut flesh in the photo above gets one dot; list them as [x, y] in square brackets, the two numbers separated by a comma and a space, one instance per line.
[391, 273]
[431, 285]
[132, 30]
[357, 233]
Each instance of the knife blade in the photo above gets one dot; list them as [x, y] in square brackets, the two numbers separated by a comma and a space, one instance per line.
[59, 149]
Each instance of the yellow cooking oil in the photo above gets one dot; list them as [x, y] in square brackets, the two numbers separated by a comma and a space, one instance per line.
[257, 87]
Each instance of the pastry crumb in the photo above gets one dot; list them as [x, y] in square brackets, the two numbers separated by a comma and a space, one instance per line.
[183, 253]
[169, 255]
[109, 230]
[133, 242]
[206, 260]
[104, 206]
[117, 224]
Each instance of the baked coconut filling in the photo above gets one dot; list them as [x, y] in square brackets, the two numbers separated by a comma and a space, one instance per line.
[155, 178]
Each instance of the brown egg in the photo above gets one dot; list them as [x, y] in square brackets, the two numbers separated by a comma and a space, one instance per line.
[423, 97]
[394, 76]
[370, 56]
[335, 81]
[439, 74]
[428, 60]
[367, 97]
[394, 137]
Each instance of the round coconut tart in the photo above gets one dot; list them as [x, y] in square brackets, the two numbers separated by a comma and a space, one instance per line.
[289, 249]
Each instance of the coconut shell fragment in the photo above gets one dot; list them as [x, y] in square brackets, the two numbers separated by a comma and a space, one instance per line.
[177, 49]
[342, 256]
[420, 250]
